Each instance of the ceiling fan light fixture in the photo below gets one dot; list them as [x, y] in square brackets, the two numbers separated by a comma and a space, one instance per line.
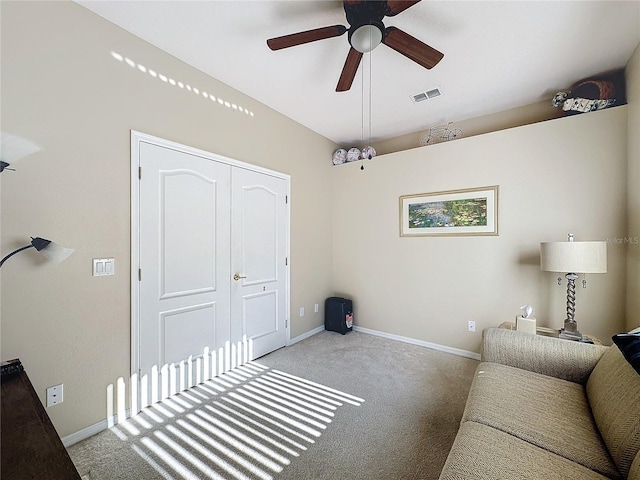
[366, 37]
[366, 32]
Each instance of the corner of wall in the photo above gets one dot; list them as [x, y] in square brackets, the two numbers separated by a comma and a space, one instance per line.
[632, 77]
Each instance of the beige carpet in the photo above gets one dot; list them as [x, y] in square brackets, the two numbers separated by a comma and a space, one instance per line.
[329, 407]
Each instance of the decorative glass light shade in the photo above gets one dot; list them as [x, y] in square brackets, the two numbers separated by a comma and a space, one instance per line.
[339, 156]
[368, 152]
[354, 154]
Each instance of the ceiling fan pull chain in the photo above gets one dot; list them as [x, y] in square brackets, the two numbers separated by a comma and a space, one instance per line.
[370, 88]
[362, 118]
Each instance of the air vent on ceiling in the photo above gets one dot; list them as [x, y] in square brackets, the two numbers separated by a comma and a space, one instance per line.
[422, 96]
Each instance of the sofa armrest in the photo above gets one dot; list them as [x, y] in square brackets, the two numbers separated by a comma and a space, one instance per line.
[565, 359]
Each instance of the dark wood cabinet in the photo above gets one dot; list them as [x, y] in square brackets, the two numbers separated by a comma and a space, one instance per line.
[31, 447]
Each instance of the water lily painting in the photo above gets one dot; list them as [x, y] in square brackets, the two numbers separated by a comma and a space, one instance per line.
[471, 211]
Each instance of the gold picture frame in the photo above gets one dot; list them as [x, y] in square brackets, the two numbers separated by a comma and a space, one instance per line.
[469, 211]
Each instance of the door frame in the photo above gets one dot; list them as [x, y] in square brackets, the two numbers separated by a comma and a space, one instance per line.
[138, 138]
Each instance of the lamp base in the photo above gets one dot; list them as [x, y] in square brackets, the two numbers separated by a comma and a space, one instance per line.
[575, 336]
[568, 335]
[570, 330]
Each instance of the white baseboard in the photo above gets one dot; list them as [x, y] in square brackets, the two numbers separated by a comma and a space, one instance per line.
[85, 433]
[91, 430]
[422, 343]
[308, 334]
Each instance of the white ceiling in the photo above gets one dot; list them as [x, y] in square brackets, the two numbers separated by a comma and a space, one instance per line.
[498, 55]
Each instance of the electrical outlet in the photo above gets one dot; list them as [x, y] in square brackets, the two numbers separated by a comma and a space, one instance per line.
[471, 326]
[302, 311]
[316, 308]
[55, 395]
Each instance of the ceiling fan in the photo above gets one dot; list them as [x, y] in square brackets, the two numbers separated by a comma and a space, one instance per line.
[366, 32]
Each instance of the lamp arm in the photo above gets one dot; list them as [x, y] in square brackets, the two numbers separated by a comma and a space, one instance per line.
[13, 253]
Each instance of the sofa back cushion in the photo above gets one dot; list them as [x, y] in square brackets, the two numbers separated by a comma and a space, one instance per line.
[613, 390]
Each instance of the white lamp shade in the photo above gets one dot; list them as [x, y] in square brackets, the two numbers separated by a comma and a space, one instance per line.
[573, 257]
[56, 253]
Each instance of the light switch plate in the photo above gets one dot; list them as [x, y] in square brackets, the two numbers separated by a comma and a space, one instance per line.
[103, 266]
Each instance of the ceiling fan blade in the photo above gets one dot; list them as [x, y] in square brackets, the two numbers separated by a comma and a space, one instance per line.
[395, 7]
[305, 37]
[349, 70]
[411, 47]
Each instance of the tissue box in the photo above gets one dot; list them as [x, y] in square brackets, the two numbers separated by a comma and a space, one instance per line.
[527, 325]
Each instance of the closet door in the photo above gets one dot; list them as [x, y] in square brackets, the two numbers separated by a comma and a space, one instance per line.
[259, 225]
[209, 264]
[184, 282]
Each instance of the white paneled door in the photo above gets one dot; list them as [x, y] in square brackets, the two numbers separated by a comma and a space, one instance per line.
[211, 245]
[258, 252]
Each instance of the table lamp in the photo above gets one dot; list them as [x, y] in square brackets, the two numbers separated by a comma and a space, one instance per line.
[573, 258]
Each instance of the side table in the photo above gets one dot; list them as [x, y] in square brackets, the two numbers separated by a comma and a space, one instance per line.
[547, 332]
[31, 447]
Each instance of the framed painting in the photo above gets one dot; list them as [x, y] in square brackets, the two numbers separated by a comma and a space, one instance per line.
[471, 211]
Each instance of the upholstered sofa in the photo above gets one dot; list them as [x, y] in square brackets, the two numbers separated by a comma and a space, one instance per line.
[542, 408]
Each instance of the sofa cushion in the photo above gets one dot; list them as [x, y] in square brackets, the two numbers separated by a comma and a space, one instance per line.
[548, 412]
[483, 452]
[613, 390]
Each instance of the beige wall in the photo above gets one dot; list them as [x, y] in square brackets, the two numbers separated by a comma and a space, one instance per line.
[555, 177]
[62, 88]
[633, 182]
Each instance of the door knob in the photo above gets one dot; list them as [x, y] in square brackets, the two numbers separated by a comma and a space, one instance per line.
[237, 277]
